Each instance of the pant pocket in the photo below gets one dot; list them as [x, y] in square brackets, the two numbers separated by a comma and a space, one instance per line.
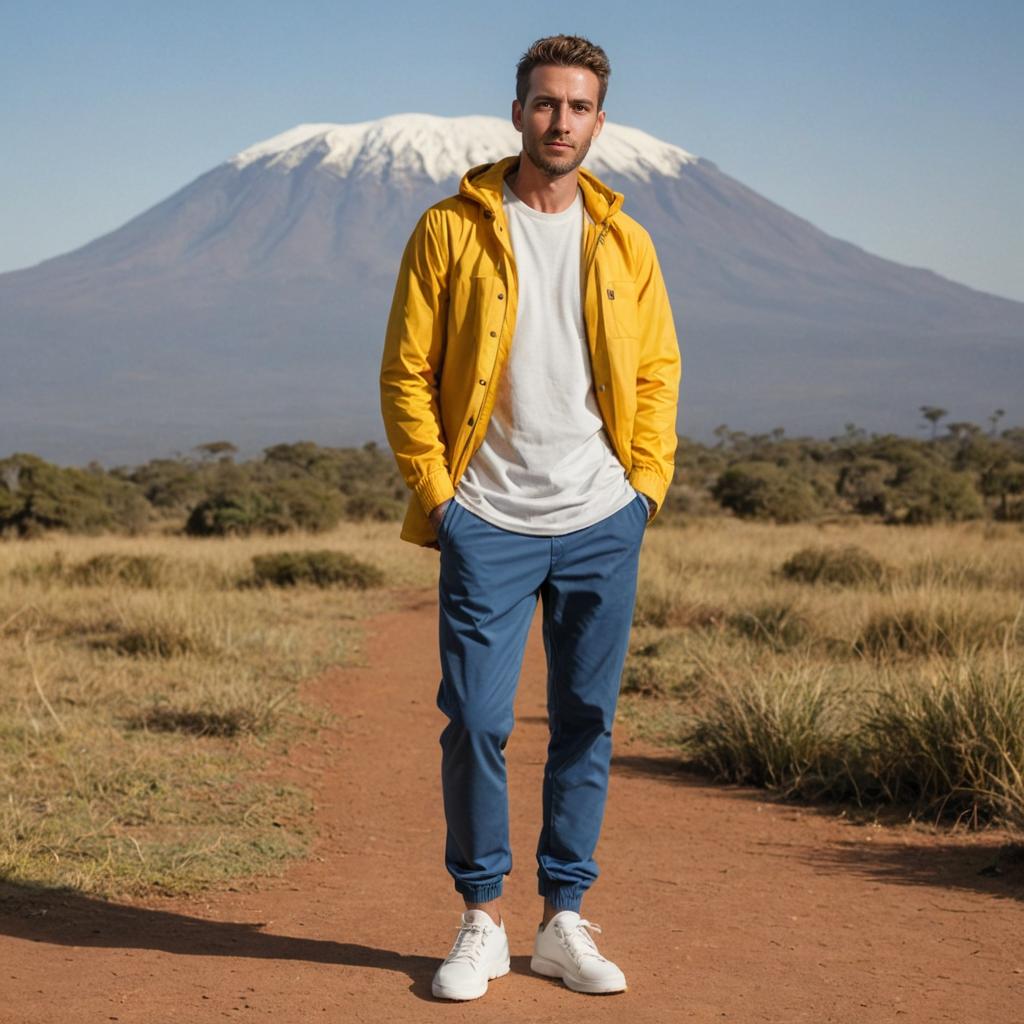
[445, 524]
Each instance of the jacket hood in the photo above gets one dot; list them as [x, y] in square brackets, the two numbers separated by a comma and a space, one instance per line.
[483, 184]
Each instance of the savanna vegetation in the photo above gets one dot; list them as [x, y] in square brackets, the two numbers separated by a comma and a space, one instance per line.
[876, 665]
[966, 473]
[836, 619]
[149, 695]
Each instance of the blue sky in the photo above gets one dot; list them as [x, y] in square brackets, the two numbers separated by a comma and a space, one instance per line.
[894, 125]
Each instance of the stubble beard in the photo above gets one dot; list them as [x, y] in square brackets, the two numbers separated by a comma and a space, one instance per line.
[555, 168]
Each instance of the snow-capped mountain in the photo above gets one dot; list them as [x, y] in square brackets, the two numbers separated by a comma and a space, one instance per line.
[250, 304]
[441, 148]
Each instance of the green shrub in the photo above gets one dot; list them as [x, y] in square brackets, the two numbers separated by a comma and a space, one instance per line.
[36, 496]
[277, 507]
[935, 495]
[845, 566]
[377, 507]
[864, 483]
[762, 490]
[320, 568]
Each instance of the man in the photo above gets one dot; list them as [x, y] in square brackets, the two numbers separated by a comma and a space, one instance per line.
[529, 386]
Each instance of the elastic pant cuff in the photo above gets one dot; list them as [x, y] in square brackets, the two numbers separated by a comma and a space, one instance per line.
[561, 897]
[479, 893]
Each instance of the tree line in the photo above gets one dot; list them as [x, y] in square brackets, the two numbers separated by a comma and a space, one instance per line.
[965, 472]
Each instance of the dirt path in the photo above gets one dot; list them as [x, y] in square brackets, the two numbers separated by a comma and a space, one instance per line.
[718, 904]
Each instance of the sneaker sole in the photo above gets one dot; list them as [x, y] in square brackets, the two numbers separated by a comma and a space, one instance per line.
[550, 969]
[498, 971]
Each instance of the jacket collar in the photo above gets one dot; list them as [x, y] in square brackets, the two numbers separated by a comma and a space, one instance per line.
[483, 184]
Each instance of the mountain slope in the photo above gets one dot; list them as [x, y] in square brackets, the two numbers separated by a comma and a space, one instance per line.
[250, 304]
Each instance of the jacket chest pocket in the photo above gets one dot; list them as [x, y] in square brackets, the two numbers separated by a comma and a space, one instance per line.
[476, 315]
[622, 320]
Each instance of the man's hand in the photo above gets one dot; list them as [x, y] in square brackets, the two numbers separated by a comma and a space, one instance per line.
[437, 513]
[652, 505]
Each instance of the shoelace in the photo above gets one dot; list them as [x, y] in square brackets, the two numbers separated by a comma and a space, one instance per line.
[578, 941]
[469, 943]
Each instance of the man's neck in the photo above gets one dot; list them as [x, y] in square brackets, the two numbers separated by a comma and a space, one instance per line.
[541, 191]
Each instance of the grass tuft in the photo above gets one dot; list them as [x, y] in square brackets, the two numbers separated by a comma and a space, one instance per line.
[783, 730]
[319, 568]
[951, 742]
[949, 629]
[779, 624]
[131, 570]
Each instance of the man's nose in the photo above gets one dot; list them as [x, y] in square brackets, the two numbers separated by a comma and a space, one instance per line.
[560, 118]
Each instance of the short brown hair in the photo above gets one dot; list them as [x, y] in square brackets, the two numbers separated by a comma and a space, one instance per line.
[566, 52]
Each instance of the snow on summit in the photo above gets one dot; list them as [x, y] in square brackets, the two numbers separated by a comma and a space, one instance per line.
[442, 148]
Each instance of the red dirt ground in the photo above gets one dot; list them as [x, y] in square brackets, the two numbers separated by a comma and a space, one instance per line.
[718, 903]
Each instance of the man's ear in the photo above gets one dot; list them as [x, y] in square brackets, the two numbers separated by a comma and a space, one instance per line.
[517, 115]
[598, 125]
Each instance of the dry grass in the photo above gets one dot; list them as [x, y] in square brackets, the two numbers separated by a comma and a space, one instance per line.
[146, 693]
[906, 645]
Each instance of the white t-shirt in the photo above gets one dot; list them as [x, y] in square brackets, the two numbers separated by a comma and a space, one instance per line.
[545, 465]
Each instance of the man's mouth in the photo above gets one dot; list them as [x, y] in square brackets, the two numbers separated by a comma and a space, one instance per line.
[559, 145]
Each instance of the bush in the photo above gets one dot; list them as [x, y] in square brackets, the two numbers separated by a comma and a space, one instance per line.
[865, 484]
[278, 507]
[36, 496]
[320, 568]
[762, 490]
[379, 508]
[846, 566]
[937, 495]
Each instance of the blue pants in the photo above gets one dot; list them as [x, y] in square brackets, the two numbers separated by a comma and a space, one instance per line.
[490, 581]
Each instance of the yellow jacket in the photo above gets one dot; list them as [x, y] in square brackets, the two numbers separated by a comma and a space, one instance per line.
[452, 320]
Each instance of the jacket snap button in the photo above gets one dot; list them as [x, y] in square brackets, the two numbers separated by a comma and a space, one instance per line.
[494, 334]
[471, 421]
[487, 214]
[501, 295]
[611, 293]
[482, 381]
[600, 387]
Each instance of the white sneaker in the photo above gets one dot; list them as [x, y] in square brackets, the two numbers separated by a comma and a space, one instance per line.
[564, 949]
[480, 953]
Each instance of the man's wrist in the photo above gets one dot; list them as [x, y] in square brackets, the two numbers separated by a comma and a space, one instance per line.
[437, 512]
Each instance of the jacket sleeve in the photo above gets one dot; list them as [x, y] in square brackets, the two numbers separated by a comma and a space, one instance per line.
[657, 383]
[413, 353]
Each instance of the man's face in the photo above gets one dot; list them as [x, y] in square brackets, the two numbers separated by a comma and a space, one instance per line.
[560, 117]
